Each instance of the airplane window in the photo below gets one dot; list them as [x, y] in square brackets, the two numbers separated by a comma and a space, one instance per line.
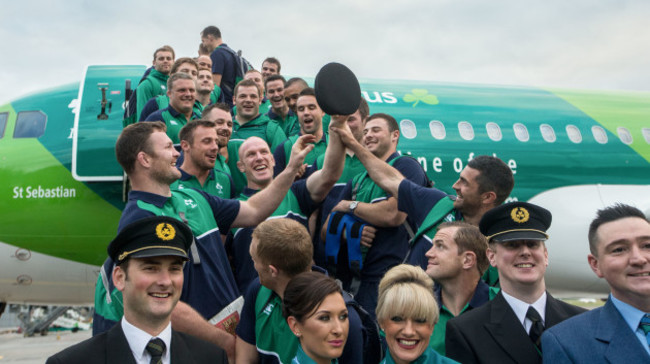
[646, 134]
[408, 129]
[624, 135]
[547, 133]
[574, 133]
[3, 123]
[599, 134]
[466, 130]
[30, 124]
[521, 132]
[493, 130]
[437, 129]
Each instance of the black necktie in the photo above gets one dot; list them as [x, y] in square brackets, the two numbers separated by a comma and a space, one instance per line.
[537, 328]
[156, 347]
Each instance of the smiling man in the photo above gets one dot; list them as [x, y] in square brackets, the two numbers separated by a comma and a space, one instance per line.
[248, 121]
[303, 198]
[200, 145]
[310, 119]
[619, 240]
[148, 157]
[483, 184]
[457, 260]
[508, 328]
[363, 199]
[182, 95]
[280, 111]
[149, 255]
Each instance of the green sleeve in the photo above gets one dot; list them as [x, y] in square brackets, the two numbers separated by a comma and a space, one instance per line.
[143, 94]
[275, 135]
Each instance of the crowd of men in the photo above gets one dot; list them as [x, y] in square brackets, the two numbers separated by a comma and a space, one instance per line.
[210, 157]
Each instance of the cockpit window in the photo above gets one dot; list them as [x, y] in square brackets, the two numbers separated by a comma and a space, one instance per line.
[3, 123]
[30, 124]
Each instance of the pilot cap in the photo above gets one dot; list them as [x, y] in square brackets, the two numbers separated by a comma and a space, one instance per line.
[151, 237]
[516, 221]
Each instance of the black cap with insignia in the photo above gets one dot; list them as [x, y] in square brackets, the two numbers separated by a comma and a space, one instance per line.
[151, 237]
[516, 221]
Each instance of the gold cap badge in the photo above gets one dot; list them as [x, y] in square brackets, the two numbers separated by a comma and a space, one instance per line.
[166, 232]
[519, 215]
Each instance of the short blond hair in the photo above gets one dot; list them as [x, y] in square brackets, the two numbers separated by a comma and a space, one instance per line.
[407, 291]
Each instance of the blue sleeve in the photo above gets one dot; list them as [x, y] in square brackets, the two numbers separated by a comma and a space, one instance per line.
[132, 213]
[280, 159]
[312, 168]
[150, 107]
[346, 193]
[412, 170]
[218, 61]
[416, 200]
[246, 327]
[552, 349]
[225, 211]
[307, 205]
[353, 350]
[155, 116]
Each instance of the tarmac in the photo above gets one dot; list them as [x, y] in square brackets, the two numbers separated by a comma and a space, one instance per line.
[15, 348]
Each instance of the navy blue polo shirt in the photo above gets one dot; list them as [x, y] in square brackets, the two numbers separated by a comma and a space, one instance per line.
[209, 285]
[391, 244]
[296, 205]
[352, 352]
[417, 201]
[223, 63]
[174, 121]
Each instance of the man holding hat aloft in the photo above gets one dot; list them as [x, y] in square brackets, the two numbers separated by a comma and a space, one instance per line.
[149, 255]
[508, 329]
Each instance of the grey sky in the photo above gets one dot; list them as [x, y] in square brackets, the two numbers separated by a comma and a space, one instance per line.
[568, 44]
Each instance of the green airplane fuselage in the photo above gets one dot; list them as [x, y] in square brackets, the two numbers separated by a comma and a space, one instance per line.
[62, 195]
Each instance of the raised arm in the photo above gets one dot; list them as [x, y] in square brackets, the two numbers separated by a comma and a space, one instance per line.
[263, 203]
[322, 181]
[384, 175]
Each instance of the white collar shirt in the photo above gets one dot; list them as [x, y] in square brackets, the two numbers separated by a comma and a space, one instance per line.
[520, 308]
[138, 340]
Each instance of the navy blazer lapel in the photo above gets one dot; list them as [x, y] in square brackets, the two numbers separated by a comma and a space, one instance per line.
[508, 332]
[622, 344]
[117, 348]
[179, 350]
[555, 313]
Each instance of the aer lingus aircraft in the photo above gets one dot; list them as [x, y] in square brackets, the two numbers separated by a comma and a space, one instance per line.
[61, 189]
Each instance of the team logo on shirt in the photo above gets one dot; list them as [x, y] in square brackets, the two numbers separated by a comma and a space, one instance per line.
[190, 202]
[219, 187]
[519, 215]
[165, 231]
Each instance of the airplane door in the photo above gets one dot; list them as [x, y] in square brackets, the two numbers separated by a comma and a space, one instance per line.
[98, 121]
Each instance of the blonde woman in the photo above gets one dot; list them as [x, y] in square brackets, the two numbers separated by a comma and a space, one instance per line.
[406, 312]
